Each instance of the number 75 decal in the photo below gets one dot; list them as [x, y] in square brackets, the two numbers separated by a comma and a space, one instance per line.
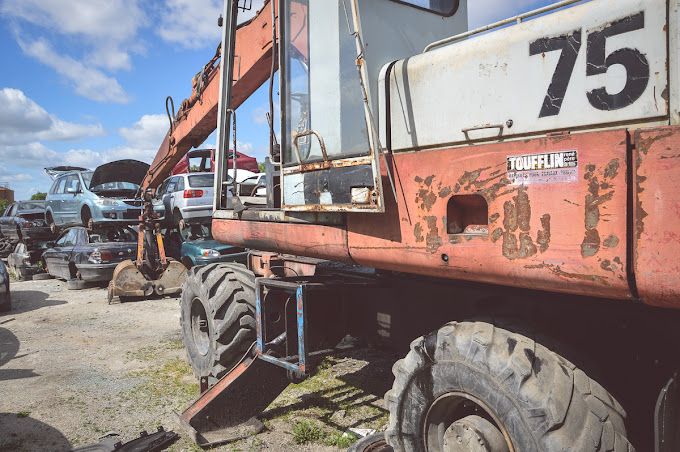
[597, 62]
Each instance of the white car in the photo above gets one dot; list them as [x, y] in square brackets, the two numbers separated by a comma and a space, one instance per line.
[188, 198]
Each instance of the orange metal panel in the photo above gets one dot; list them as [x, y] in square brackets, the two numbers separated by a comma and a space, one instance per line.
[311, 240]
[657, 216]
[564, 236]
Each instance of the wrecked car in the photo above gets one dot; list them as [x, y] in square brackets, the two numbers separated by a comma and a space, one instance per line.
[197, 247]
[26, 260]
[25, 220]
[81, 254]
[106, 195]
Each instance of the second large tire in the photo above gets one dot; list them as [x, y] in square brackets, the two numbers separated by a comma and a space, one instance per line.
[468, 378]
[217, 317]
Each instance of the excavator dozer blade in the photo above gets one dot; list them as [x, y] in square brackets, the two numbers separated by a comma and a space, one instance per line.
[226, 412]
[170, 281]
[128, 281]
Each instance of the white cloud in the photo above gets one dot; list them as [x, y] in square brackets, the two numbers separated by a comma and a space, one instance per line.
[193, 23]
[87, 81]
[23, 121]
[108, 26]
[148, 132]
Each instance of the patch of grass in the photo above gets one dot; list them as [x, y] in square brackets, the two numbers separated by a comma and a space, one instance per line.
[153, 352]
[164, 385]
[305, 432]
[23, 413]
[340, 440]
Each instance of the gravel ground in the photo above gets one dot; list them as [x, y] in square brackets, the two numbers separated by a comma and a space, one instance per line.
[73, 368]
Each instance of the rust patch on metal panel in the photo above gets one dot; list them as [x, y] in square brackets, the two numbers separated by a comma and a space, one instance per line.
[496, 234]
[494, 217]
[512, 251]
[444, 192]
[418, 232]
[543, 237]
[606, 265]
[425, 197]
[471, 178]
[611, 170]
[557, 271]
[611, 241]
[509, 216]
[594, 200]
[432, 240]
[523, 209]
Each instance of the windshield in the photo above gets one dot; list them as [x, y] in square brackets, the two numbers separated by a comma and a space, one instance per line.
[111, 233]
[87, 178]
[115, 186]
[201, 180]
[197, 231]
[32, 205]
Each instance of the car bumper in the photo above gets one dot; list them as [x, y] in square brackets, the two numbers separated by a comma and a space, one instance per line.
[97, 272]
[28, 270]
[193, 212]
[118, 214]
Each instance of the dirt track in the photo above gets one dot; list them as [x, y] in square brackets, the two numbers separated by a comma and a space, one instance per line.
[73, 367]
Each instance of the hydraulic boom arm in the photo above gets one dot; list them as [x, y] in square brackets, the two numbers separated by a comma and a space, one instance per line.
[197, 117]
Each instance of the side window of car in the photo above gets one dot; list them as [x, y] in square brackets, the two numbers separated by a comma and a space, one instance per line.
[180, 184]
[12, 210]
[72, 183]
[65, 238]
[61, 187]
[172, 185]
[161, 190]
[53, 189]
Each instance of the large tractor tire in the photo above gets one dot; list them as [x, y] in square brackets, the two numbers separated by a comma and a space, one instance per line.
[217, 318]
[472, 386]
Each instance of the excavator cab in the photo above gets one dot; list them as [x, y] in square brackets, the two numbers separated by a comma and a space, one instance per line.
[331, 54]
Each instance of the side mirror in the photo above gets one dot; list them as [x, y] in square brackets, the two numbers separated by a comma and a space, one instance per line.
[72, 190]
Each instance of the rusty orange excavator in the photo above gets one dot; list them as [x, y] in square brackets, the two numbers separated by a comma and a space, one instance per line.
[507, 196]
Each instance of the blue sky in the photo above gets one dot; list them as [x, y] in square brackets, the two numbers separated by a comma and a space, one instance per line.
[84, 82]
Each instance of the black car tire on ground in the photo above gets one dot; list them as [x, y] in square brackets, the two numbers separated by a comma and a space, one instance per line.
[75, 284]
[217, 316]
[474, 380]
[42, 276]
[6, 299]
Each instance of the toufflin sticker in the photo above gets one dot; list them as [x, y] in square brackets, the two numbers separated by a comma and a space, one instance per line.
[546, 168]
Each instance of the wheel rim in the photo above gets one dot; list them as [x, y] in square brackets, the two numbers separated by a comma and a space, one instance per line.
[199, 327]
[460, 422]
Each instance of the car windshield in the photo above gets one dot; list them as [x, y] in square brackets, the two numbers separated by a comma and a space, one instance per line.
[115, 186]
[201, 180]
[32, 205]
[87, 178]
[196, 232]
[111, 233]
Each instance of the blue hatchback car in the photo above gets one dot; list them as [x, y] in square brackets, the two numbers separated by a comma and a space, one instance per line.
[107, 195]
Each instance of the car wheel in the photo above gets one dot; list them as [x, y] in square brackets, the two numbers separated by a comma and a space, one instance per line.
[6, 299]
[86, 217]
[179, 220]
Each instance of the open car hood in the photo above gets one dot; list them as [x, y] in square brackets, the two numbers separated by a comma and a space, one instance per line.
[132, 171]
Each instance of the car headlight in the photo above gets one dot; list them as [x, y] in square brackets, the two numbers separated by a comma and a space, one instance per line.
[106, 202]
[210, 253]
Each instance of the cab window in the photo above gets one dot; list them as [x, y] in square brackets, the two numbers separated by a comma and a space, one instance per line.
[444, 8]
[61, 186]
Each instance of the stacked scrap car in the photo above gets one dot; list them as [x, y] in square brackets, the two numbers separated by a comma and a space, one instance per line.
[25, 221]
[26, 261]
[90, 254]
[107, 195]
[5, 297]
